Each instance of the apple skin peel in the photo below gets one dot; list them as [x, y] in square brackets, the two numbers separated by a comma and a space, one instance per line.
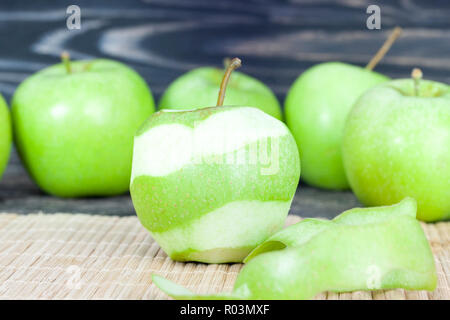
[201, 190]
[361, 249]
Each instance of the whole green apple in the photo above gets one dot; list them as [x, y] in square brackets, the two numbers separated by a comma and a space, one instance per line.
[211, 184]
[74, 124]
[396, 143]
[198, 88]
[5, 135]
[316, 107]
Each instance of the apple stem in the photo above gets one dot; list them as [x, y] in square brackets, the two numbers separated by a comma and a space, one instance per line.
[226, 63]
[384, 48]
[65, 57]
[233, 64]
[416, 74]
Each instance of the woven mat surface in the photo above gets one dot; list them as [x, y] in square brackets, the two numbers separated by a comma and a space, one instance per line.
[68, 256]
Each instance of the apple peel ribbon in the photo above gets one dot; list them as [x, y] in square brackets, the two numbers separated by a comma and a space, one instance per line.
[361, 249]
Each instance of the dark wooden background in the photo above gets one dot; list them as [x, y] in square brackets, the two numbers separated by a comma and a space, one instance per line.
[161, 39]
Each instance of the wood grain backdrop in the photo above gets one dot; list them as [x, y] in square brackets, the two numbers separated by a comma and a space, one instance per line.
[161, 39]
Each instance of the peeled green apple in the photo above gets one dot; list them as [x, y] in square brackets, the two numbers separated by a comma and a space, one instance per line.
[74, 124]
[199, 87]
[5, 135]
[361, 249]
[316, 107]
[211, 184]
[396, 143]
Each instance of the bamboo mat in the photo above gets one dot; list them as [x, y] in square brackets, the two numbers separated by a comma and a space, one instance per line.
[77, 256]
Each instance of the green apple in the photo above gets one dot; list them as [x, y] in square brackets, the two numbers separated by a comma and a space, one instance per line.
[211, 184]
[199, 87]
[396, 143]
[316, 107]
[361, 249]
[74, 124]
[5, 135]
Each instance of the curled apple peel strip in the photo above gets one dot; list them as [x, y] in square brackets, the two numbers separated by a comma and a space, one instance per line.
[361, 249]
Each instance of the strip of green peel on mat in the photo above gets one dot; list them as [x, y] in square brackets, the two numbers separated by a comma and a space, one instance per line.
[301, 232]
[180, 293]
[361, 249]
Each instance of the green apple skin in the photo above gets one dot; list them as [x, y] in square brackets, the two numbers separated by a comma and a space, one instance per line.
[356, 253]
[74, 132]
[5, 135]
[396, 144]
[361, 249]
[199, 87]
[196, 190]
[316, 107]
